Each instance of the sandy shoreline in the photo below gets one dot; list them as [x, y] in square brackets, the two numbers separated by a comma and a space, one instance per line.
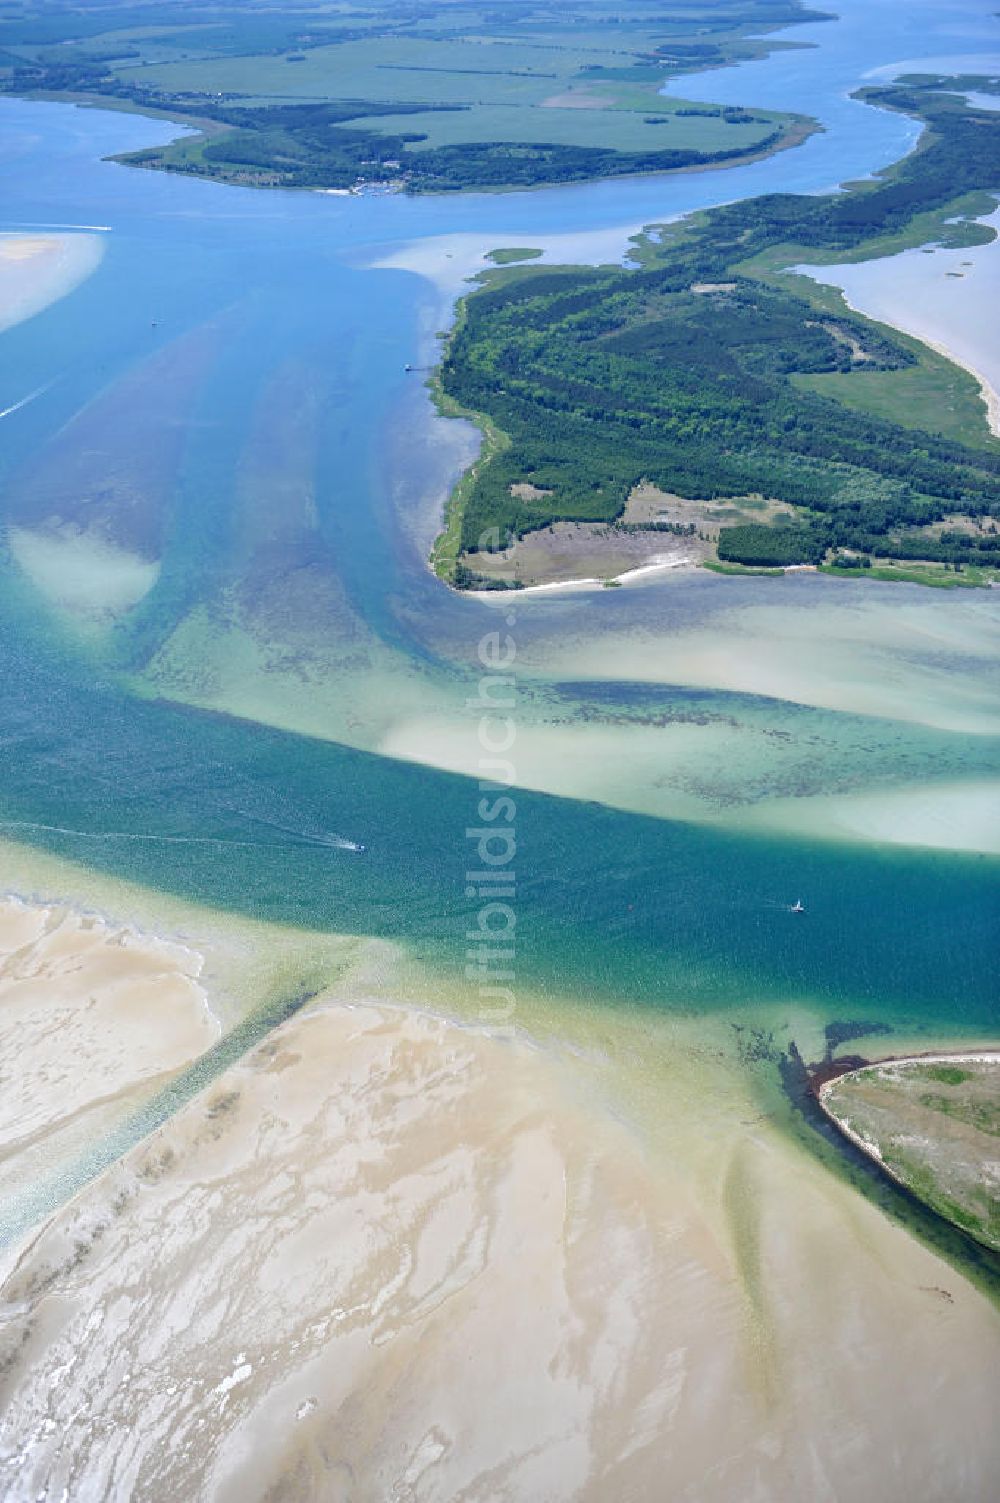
[642, 571]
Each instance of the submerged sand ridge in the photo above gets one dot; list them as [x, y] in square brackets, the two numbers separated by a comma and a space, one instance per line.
[36, 270]
[386, 1255]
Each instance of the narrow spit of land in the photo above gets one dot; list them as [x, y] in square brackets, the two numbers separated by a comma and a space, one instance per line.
[932, 1123]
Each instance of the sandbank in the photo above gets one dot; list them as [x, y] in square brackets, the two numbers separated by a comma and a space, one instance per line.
[594, 1224]
[92, 1014]
[874, 653]
[941, 816]
[388, 1255]
[38, 269]
[720, 773]
[89, 577]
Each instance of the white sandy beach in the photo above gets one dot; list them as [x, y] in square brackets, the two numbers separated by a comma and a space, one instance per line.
[38, 269]
[655, 566]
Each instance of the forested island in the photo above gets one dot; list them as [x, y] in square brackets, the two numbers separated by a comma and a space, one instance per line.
[693, 377]
[428, 96]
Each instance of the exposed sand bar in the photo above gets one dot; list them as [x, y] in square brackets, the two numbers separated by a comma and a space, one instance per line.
[91, 1015]
[448, 261]
[949, 299]
[389, 1256]
[38, 269]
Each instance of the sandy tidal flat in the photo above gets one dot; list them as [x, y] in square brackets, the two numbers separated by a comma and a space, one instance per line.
[90, 1015]
[36, 270]
[386, 1256]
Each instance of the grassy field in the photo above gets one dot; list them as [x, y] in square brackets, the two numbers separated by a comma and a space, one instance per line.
[937, 576]
[935, 1127]
[383, 69]
[582, 80]
[621, 130]
[933, 395]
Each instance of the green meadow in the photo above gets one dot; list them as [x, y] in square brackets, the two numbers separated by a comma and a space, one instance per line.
[433, 99]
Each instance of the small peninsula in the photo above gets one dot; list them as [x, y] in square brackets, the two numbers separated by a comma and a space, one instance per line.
[933, 1125]
[433, 98]
[678, 410]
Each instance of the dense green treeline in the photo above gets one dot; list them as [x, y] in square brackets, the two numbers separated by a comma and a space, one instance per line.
[679, 374]
[306, 150]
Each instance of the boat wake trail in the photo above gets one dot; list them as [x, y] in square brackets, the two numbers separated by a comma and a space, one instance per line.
[303, 837]
[16, 406]
[330, 842]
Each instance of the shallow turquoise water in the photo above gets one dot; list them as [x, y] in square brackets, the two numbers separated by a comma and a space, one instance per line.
[609, 905]
[209, 303]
